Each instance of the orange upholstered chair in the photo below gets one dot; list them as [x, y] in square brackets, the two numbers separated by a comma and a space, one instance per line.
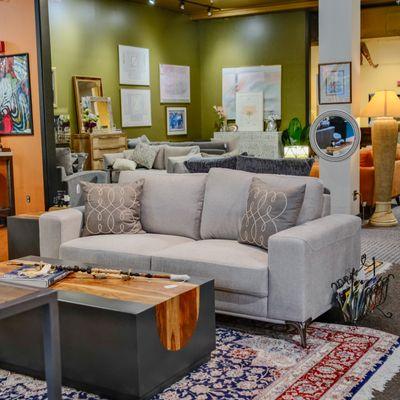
[367, 175]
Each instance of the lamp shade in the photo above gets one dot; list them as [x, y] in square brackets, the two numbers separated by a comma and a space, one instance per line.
[384, 103]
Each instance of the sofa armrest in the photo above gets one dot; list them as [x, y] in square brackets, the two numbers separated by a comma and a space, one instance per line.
[303, 262]
[57, 227]
[61, 173]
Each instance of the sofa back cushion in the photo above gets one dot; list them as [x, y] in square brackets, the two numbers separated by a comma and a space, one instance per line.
[178, 151]
[203, 165]
[281, 166]
[226, 196]
[171, 203]
[63, 159]
[159, 162]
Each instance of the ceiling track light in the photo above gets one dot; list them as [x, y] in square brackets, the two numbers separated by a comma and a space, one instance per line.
[210, 8]
[152, 2]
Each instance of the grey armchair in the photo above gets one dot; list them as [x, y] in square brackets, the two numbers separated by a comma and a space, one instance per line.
[72, 182]
[71, 174]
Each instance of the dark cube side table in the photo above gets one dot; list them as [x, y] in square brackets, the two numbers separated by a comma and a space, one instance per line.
[23, 235]
[16, 299]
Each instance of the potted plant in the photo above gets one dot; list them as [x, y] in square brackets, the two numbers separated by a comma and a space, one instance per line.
[221, 123]
[295, 140]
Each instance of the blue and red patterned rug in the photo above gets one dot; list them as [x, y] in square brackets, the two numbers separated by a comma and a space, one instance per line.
[340, 363]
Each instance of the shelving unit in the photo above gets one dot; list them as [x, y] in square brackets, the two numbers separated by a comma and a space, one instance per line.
[8, 208]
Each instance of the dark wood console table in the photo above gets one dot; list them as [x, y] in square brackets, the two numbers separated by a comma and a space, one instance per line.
[9, 208]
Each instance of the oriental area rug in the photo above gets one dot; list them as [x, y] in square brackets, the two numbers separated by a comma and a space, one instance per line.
[340, 363]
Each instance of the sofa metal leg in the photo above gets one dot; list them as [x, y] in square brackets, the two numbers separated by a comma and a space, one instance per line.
[301, 328]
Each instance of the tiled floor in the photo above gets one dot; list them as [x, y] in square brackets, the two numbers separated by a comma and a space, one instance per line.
[3, 244]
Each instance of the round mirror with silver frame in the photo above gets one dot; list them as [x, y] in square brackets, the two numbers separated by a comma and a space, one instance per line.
[335, 135]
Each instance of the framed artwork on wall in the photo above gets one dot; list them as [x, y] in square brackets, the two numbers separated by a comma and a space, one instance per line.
[249, 111]
[334, 85]
[15, 96]
[134, 65]
[174, 83]
[135, 107]
[176, 121]
[263, 78]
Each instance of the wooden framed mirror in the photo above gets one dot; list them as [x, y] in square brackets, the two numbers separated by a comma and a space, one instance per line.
[85, 86]
[101, 106]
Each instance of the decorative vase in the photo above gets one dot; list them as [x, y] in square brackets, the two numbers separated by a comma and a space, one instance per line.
[223, 127]
[271, 126]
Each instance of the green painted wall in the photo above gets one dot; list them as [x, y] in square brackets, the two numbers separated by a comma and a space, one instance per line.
[85, 35]
[269, 39]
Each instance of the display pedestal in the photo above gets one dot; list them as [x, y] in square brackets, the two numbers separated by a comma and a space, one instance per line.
[259, 144]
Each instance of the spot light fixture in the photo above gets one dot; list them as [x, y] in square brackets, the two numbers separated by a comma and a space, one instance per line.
[182, 5]
[209, 11]
[152, 2]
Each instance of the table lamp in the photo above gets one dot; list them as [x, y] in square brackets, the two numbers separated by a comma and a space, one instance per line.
[384, 106]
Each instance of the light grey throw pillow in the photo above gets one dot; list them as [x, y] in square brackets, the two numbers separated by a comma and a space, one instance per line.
[143, 154]
[112, 208]
[123, 164]
[269, 211]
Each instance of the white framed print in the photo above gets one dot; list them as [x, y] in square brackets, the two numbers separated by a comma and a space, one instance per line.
[250, 111]
[176, 121]
[134, 65]
[135, 107]
[174, 83]
[335, 83]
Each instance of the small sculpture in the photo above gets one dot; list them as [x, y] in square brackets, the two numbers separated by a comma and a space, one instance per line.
[271, 123]
[365, 53]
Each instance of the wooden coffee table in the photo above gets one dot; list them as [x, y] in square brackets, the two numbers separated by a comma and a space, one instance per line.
[121, 339]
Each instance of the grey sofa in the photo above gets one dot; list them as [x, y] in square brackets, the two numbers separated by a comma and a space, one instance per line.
[192, 223]
[174, 163]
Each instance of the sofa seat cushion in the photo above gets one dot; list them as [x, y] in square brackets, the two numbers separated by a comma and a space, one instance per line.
[119, 251]
[235, 267]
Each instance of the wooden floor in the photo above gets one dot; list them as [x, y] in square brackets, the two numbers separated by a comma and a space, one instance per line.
[3, 244]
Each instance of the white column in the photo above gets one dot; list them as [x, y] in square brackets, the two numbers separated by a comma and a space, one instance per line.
[339, 41]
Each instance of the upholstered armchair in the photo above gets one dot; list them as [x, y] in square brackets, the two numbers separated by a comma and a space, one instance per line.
[71, 174]
[367, 175]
